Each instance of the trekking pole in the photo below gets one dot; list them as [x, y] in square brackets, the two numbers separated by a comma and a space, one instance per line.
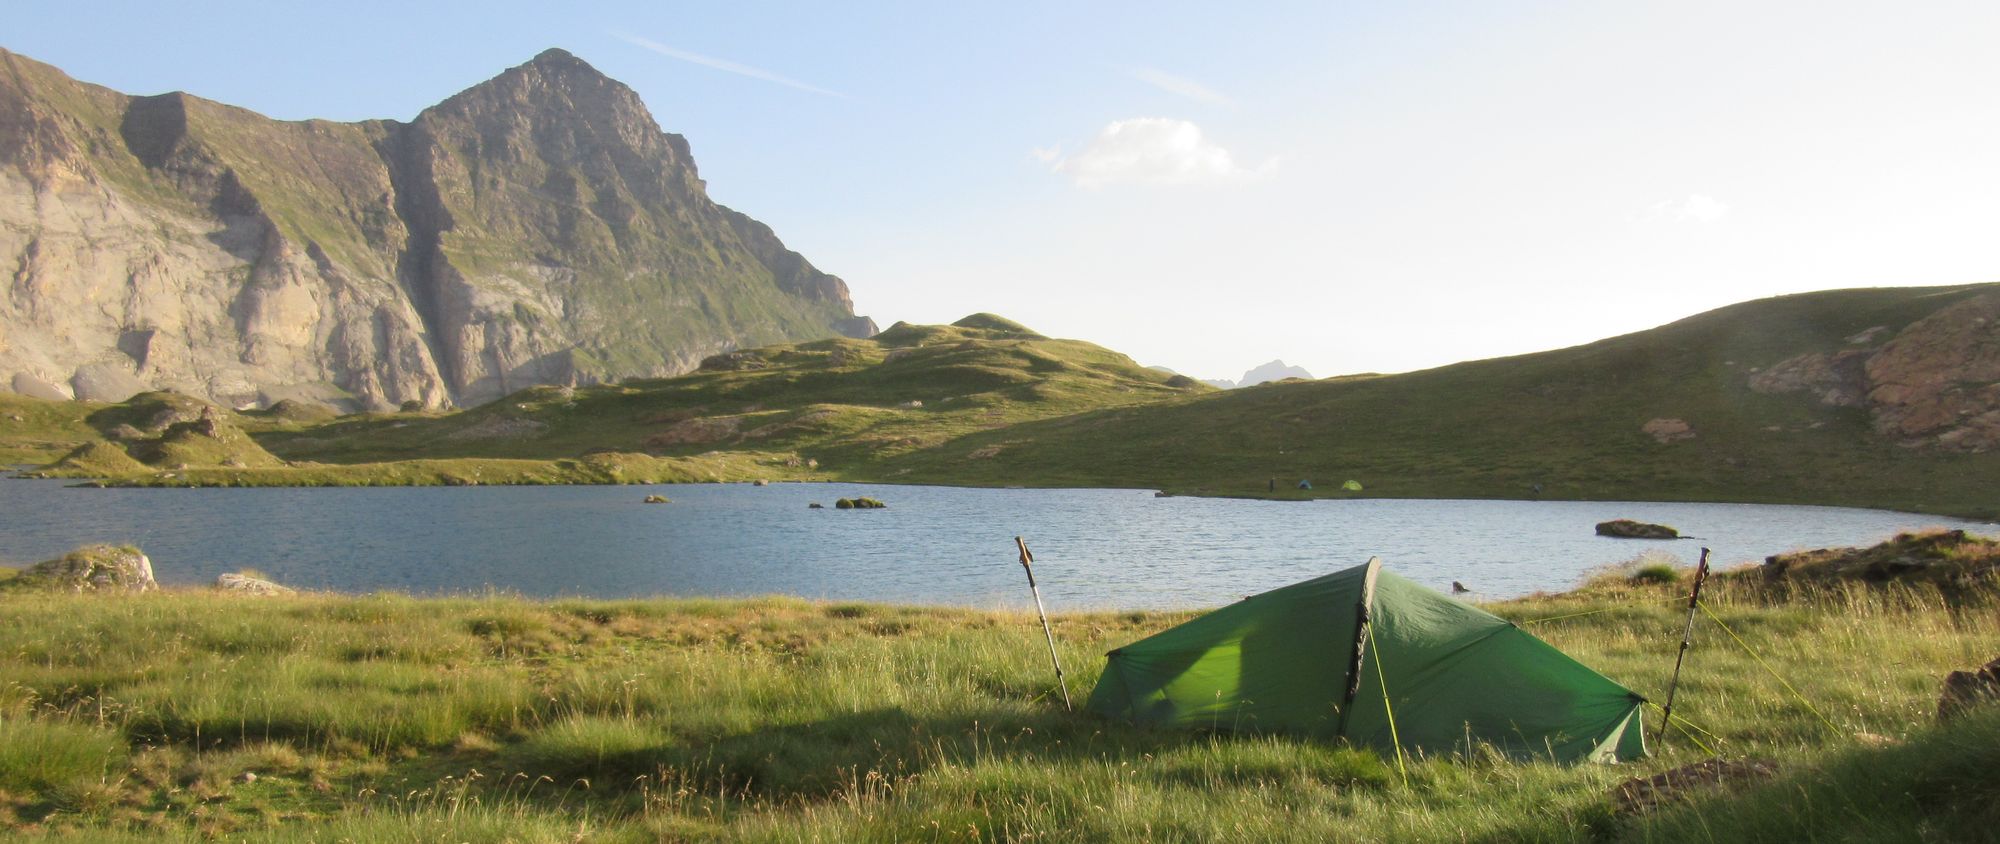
[1027, 565]
[1687, 634]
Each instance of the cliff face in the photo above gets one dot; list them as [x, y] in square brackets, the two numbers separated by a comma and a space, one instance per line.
[536, 228]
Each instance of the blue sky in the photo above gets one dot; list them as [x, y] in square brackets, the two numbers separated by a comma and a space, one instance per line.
[1351, 187]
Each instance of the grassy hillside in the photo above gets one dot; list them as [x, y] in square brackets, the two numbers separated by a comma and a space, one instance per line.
[34, 432]
[1566, 422]
[823, 409]
[194, 716]
[988, 402]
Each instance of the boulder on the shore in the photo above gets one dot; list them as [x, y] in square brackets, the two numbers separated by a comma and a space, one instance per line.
[93, 568]
[243, 584]
[1965, 690]
[1628, 529]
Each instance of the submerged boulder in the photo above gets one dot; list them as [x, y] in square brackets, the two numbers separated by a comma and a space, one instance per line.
[93, 568]
[858, 504]
[1628, 529]
[657, 499]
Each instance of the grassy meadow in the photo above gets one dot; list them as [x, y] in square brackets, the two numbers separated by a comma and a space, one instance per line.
[190, 715]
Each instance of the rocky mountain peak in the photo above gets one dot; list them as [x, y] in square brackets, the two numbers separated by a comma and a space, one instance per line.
[538, 227]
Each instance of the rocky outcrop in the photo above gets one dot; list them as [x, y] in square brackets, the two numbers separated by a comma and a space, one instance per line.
[92, 568]
[536, 228]
[1935, 383]
[1938, 381]
[1948, 558]
[1839, 379]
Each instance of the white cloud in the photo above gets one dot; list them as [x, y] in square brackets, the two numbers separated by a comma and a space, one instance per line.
[1695, 208]
[1177, 85]
[724, 65]
[1149, 150]
[1046, 155]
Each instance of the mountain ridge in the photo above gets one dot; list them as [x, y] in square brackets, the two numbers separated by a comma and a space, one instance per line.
[538, 227]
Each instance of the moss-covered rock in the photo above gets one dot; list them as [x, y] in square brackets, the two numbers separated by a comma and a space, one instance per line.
[92, 568]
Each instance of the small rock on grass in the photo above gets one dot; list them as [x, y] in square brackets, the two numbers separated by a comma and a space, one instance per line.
[1639, 795]
[244, 584]
[1964, 690]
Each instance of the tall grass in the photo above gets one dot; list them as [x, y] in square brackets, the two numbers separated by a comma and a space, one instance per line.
[320, 718]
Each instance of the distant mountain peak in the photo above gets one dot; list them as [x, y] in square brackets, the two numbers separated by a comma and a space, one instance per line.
[1276, 370]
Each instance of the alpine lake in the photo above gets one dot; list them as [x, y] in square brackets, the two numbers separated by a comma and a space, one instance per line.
[1094, 548]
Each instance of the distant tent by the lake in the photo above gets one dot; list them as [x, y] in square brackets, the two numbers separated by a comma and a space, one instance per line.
[1315, 658]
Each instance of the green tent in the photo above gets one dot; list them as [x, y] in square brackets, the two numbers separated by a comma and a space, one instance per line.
[1312, 659]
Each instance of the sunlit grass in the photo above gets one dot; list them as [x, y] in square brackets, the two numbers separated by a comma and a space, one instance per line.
[322, 718]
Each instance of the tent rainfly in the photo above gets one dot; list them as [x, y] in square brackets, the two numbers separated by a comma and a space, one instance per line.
[1313, 659]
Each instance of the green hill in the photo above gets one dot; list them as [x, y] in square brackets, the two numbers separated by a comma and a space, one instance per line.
[1569, 424]
[830, 408]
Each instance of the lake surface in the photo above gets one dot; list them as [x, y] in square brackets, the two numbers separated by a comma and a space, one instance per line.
[1095, 548]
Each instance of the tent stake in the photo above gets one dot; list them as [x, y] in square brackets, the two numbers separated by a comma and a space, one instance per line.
[1687, 634]
[1027, 565]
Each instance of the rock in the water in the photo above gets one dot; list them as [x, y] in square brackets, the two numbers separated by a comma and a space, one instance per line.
[93, 568]
[247, 585]
[1643, 794]
[815, 506]
[1628, 529]
[657, 499]
[1964, 690]
[858, 504]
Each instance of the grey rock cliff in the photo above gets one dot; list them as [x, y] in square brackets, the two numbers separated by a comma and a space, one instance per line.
[536, 228]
